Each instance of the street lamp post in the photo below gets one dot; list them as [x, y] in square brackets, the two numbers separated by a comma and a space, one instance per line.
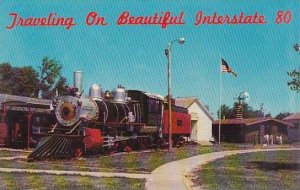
[297, 48]
[168, 54]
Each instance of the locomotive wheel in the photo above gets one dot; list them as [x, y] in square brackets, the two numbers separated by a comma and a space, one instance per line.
[143, 143]
[162, 143]
[127, 148]
[179, 142]
[78, 150]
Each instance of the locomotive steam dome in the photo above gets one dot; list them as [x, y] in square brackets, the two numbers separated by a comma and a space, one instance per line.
[71, 109]
[95, 91]
[119, 94]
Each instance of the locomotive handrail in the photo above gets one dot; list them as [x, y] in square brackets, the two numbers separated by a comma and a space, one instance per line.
[52, 130]
[115, 123]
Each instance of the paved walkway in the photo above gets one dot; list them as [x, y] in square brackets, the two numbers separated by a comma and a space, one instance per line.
[174, 175]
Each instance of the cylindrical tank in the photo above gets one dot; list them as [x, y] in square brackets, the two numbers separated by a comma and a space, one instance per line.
[119, 94]
[71, 109]
[95, 91]
[112, 112]
[78, 81]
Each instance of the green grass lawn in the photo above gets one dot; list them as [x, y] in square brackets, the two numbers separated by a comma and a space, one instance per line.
[8, 153]
[135, 162]
[44, 181]
[262, 170]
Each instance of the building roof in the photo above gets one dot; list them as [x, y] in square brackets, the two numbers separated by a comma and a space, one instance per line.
[21, 103]
[186, 102]
[295, 116]
[248, 122]
[150, 95]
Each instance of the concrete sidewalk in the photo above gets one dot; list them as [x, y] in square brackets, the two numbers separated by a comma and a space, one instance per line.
[174, 175]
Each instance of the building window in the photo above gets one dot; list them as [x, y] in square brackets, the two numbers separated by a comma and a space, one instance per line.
[179, 122]
[154, 106]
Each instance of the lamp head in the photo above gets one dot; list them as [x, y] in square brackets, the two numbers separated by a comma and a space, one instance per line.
[181, 40]
[297, 47]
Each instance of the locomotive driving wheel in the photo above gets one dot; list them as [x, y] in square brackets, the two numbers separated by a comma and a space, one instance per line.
[128, 149]
[78, 149]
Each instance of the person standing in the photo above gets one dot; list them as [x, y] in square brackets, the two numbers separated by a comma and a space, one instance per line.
[280, 139]
[267, 139]
[271, 140]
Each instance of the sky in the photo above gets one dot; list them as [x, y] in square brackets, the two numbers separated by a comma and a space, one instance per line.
[134, 55]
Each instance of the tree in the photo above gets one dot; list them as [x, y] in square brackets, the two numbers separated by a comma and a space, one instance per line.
[25, 81]
[226, 112]
[59, 88]
[247, 111]
[294, 84]
[282, 115]
[6, 72]
[49, 78]
[18, 81]
[268, 115]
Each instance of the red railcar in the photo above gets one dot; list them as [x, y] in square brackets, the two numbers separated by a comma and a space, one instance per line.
[181, 122]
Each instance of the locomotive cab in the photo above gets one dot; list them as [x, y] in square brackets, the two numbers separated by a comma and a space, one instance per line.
[150, 110]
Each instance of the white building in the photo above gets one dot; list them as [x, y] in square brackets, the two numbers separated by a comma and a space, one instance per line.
[294, 130]
[201, 119]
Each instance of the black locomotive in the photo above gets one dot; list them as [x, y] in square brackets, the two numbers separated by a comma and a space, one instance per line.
[103, 122]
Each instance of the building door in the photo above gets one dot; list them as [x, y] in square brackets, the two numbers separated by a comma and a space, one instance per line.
[194, 130]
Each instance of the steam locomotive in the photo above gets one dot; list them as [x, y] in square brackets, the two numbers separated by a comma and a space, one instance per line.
[123, 120]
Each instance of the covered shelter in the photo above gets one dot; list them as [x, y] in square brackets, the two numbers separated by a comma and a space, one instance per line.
[251, 130]
[17, 114]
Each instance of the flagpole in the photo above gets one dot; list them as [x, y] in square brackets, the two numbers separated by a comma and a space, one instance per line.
[220, 112]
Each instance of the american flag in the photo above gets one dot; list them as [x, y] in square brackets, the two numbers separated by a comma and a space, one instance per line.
[226, 68]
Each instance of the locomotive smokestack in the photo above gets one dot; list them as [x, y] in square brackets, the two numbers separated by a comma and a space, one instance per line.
[78, 81]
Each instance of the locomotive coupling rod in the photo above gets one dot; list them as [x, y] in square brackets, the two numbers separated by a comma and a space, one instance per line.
[74, 127]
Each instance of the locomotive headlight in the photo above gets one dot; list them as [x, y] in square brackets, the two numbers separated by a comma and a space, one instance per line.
[70, 110]
[67, 112]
